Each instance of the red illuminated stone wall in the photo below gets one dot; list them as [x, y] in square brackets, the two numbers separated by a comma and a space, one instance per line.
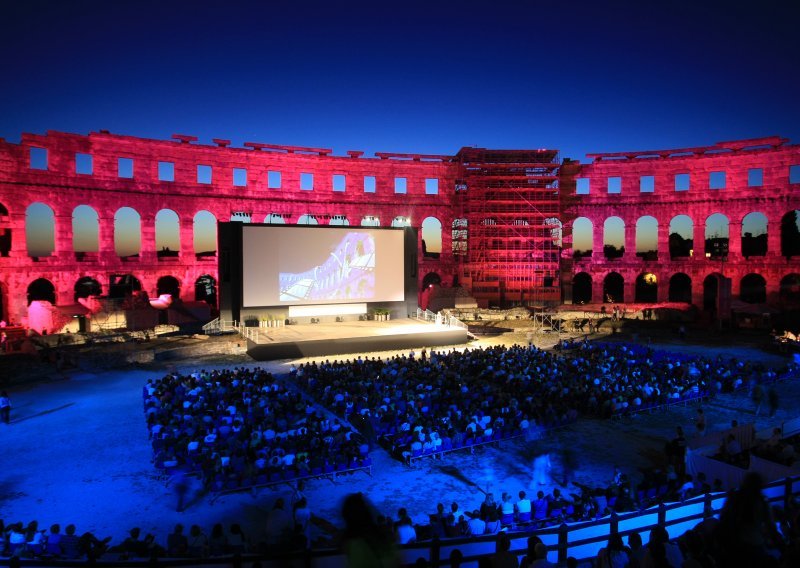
[756, 177]
[62, 189]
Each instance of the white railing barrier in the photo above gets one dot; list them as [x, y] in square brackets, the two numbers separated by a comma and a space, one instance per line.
[212, 326]
[440, 319]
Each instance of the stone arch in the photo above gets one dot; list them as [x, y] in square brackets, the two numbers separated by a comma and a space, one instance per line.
[339, 220]
[168, 233]
[681, 237]
[85, 229]
[789, 291]
[614, 288]
[401, 221]
[5, 232]
[431, 279]
[205, 290]
[43, 290]
[646, 288]
[716, 235]
[204, 234]
[647, 237]
[87, 286]
[582, 237]
[753, 289]
[754, 234]
[123, 286]
[790, 234]
[582, 288]
[40, 230]
[127, 232]
[274, 219]
[307, 219]
[680, 288]
[370, 221]
[431, 237]
[168, 285]
[613, 237]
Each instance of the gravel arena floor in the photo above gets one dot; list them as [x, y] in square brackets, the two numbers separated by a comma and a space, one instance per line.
[77, 450]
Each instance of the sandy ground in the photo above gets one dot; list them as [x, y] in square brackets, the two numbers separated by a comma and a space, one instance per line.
[77, 452]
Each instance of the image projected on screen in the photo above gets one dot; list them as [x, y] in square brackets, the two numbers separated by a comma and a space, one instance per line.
[347, 274]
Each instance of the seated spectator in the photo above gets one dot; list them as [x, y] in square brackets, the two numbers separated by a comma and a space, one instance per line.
[217, 541]
[475, 525]
[404, 531]
[198, 542]
[70, 544]
[177, 543]
[523, 507]
[53, 543]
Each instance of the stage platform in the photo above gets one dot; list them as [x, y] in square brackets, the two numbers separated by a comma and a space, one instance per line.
[333, 338]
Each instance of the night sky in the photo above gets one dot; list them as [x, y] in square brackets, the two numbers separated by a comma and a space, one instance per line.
[425, 77]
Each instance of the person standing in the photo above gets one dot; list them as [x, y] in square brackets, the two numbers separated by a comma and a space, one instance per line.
[5, 407]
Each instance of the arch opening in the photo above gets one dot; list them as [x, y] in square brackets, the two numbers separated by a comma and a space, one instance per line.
[205, 290]
[40, 230]
[753, 289]
[647, 238]
[680, 288]
[431, 237]
[754, 235]
[582, 288]
[681, 237]
[204, 234]
[86, 287]
[613, 238]
[646, 288]
[614, 288]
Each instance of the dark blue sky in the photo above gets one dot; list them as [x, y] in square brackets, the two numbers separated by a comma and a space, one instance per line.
[406, 76]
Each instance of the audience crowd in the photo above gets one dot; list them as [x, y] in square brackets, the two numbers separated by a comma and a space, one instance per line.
[447, 400]
[242, 427]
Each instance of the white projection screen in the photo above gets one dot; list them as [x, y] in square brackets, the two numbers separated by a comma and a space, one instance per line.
[296, 265]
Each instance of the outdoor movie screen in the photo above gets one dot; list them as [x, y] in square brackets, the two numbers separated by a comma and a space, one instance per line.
[291, 265]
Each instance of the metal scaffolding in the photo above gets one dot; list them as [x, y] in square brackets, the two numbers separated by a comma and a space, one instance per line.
[508, 231]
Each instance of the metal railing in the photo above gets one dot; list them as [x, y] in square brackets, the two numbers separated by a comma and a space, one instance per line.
[439, 319]
[581, 540]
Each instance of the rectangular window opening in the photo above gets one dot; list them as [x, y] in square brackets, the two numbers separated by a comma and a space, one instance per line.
[125, 168]
[615, 185]
[239, 177]
[307, 182]
[166, 171]
[84, 164]
[755, 177]
[582, 186]
[273, 180]
[647, 184]
[681, 182]
[431, 186]
[38, 158]
[339, 182]
[369, 184]
[400, 185]
[716, 180]
[794, 173]
[204, 174]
